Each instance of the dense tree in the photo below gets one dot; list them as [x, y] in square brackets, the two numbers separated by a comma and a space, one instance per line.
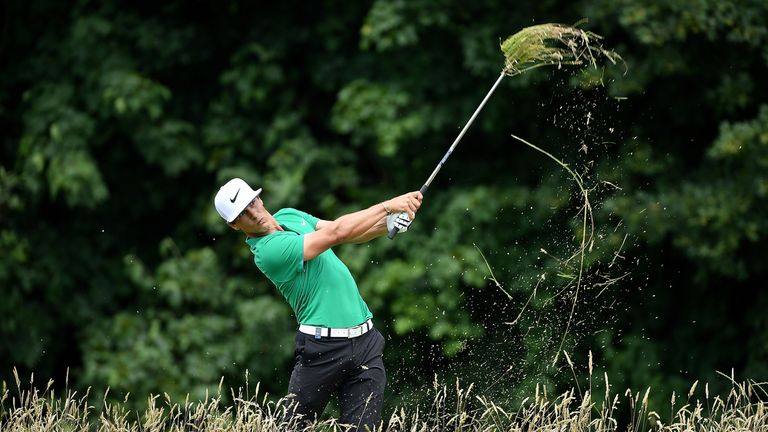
[122, 118]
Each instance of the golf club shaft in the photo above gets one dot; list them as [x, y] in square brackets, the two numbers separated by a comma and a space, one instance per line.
[393, 232]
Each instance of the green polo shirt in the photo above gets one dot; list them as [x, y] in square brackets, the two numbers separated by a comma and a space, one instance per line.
[321, 291]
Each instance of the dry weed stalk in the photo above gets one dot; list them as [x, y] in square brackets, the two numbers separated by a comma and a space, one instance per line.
[453, 409]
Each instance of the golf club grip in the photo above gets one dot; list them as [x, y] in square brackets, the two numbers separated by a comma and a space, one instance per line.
[393, 232]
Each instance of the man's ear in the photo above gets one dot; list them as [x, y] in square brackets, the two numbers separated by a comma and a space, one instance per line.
[231, 225]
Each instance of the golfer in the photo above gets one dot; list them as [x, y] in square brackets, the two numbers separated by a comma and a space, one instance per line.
[338, 351]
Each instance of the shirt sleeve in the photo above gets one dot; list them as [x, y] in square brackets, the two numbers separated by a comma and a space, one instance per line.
[281, 257]
[311, 220]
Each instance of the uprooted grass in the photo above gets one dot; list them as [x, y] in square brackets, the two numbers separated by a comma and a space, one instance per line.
[454, 409]
[553, 45]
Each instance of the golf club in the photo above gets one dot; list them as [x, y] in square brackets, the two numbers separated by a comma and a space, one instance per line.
[530, 48]
[393, 232]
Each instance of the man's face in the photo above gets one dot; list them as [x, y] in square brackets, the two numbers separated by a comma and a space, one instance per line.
[253, 219]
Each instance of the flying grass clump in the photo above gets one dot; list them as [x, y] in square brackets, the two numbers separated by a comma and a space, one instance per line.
[552, 45]
[557, 45]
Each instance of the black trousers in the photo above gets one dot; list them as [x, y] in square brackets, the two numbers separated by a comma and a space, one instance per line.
[352, 369]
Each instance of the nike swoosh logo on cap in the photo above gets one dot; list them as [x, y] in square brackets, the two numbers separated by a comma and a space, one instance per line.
[232, 200]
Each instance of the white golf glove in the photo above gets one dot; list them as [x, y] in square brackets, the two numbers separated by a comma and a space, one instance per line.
[401, 221]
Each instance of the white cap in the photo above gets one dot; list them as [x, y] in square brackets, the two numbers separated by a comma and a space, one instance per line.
[233, 198]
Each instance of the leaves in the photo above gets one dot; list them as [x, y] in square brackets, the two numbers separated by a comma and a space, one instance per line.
[121, 122]
[374, 111]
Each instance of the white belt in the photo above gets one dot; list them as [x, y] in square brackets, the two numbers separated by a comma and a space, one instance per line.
[351, 332]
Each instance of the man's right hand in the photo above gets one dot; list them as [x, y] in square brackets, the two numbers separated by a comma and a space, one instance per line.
[409, 203]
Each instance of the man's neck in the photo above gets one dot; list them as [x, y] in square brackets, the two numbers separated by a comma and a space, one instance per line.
[273, 228]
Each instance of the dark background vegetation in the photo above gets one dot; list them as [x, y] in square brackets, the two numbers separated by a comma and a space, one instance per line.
[120, 120]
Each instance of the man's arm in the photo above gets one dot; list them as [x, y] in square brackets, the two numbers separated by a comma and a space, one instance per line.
[376, 231]
[357, 225]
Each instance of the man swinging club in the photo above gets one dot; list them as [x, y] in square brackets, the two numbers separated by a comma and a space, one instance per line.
[338, 351]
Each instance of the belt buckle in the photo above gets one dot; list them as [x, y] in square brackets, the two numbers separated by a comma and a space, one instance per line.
[355, 332]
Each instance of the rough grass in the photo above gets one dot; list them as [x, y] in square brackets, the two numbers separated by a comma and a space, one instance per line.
[552, 44]
[454, 409]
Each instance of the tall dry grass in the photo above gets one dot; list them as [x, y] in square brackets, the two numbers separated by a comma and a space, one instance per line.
[454, 409]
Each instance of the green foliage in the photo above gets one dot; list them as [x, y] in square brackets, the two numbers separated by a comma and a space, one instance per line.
[122, 120]
[54, 147]
[128, 94]
[395, 24]
[188, 335]
[369, 112]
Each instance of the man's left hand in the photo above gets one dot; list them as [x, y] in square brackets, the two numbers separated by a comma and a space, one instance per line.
[401, 221]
